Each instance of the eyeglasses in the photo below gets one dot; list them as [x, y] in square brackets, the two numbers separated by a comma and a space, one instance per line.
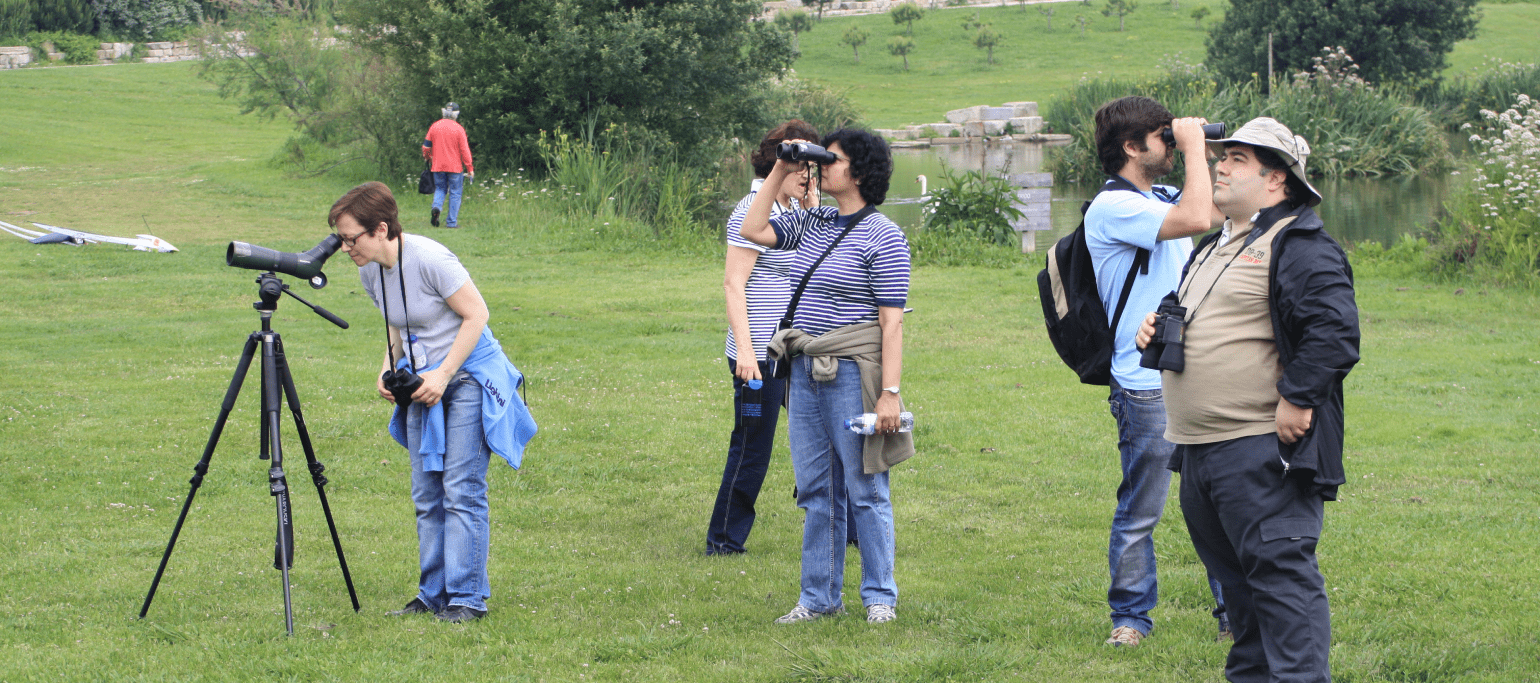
[351, 241]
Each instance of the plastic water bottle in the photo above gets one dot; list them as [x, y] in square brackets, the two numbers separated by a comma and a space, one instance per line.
[866, 423]
[749, 402]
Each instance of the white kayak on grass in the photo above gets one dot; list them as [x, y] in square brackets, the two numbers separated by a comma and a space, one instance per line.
[138, 242]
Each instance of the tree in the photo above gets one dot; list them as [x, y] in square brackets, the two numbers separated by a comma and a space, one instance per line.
[819, 4]
[1082, 20]
[1047, 11]
[1393, 40]
[855, 37]
[973, 24]
[1197, 16]
[798, 22]
[901, 46]
[907, 13]
[986, 39]
[685, 73]
[1119, 9]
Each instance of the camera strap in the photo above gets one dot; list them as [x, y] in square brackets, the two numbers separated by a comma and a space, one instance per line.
[791, 308]
[390, 346]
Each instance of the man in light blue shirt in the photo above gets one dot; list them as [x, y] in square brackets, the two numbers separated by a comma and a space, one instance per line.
[1133, 224]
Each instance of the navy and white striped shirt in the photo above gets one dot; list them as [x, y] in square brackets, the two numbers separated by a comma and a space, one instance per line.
[869, 268]
[767, 290]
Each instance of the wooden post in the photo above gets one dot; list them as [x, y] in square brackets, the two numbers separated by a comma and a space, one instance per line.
[1034, 202]
[1269, 63]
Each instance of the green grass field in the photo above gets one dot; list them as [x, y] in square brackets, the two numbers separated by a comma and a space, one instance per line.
[1034, 64]
[114, 363]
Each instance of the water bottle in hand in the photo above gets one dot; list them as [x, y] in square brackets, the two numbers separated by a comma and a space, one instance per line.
[866, 423]
[750, 397]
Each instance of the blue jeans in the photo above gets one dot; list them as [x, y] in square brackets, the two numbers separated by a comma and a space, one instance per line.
[1141, 418]
[452, 528]
[748, 458]
[832, 487]
[455, 184]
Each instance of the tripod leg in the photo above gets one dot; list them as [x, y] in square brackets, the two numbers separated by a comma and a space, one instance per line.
[278, 484]
[202, 467]
[317, 470]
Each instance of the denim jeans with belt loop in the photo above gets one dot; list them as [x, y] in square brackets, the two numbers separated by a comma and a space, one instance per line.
[824, 455]
[453, 532]
[1145, 452]
[452, 184]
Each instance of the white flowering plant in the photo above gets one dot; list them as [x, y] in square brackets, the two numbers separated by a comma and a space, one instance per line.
[1495, 220]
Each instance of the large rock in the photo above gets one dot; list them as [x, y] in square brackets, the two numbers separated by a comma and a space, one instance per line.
[895, 134]
[1026, 125]
[966, 114]
[1023, 108]
[997, 113]
[978, 128]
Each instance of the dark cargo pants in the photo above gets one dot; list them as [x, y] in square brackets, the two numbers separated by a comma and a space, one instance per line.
[1256, 533]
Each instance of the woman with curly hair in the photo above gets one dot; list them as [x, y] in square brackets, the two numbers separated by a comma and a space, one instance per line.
[845, 347]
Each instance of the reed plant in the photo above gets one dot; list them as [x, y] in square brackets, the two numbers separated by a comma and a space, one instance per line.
[1490, 87]
[1354, 128]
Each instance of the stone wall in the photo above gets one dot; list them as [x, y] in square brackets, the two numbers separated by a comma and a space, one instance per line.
[117, 53]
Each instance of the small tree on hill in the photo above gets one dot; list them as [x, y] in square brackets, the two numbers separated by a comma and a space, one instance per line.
[1082, 20]
[819, 4]
[901, 46]
[907, 13]
[973, 24]
[1047, 11]
[855, 37]
[1119, 9]
[798, 22]
[1198, 15]
[986, 39]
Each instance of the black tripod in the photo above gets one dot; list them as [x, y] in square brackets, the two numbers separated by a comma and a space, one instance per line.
[275, 378]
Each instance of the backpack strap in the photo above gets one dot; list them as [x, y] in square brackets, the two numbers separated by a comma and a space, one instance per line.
[1141, 261]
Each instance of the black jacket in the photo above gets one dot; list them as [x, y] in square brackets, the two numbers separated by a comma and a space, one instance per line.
[1315, 324]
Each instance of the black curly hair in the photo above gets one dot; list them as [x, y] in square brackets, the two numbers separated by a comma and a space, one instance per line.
[870, 161]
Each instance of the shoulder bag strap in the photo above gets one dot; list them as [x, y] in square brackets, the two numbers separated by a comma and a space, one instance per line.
[385, 301]
[791, 308]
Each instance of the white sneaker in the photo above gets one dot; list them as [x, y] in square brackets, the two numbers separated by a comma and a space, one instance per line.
[880, 614]
[799, 614]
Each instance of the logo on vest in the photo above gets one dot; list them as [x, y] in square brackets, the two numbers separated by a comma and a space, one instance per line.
[1253, 255]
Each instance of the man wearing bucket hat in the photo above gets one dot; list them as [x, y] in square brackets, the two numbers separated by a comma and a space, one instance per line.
[1270, 331]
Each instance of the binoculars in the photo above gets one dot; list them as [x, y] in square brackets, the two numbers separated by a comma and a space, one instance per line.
[804, 151]
[1211, 131]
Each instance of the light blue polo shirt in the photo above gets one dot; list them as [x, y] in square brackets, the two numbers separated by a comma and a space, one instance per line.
[1118, 224]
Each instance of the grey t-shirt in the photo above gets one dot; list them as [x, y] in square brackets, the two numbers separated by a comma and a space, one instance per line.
[433, 274]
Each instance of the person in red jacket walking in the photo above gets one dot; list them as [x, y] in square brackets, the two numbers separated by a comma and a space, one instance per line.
[446, 146]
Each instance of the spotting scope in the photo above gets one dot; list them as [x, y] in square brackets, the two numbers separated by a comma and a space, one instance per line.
[306, 264]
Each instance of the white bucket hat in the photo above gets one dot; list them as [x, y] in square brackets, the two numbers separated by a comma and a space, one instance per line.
[1265, 132]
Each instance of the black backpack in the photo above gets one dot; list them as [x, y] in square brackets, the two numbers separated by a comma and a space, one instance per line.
[1072, 306]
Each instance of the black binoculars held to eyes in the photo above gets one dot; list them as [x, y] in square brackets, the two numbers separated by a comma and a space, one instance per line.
[804, 151]
[1211, 131]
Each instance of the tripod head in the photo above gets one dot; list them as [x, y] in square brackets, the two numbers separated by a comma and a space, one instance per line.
[270, 289]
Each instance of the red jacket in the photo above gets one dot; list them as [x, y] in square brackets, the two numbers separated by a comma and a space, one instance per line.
[447, 147]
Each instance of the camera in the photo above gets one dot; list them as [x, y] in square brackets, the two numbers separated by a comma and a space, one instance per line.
[402, 383]
[1164, 352]
[1211, 131]
[804, 151]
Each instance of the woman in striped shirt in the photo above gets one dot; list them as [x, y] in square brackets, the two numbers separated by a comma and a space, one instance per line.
[846, 347]
[757, 293]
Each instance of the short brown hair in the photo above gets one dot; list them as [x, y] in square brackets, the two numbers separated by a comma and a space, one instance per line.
[763, 159]
[1126, 119]
[370, 204]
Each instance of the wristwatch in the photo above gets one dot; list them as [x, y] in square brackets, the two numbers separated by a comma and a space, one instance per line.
[892, 390]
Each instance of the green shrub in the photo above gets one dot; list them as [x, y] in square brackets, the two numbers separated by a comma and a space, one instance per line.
[1492, 229]
[827, 109]
[1353, 128]
[15, 18]
[148, 19]
[968, 222]
[77, 48]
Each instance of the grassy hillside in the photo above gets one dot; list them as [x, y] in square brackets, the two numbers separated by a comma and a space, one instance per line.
[1033, 63]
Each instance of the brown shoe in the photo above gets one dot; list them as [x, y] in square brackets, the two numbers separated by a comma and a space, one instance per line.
[1125, 636]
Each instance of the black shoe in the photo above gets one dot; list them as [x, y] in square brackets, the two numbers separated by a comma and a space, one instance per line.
[416, 606]
[433, 219]
[456, 614]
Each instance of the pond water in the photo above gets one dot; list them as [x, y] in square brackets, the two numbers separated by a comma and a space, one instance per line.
[1354, 209]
